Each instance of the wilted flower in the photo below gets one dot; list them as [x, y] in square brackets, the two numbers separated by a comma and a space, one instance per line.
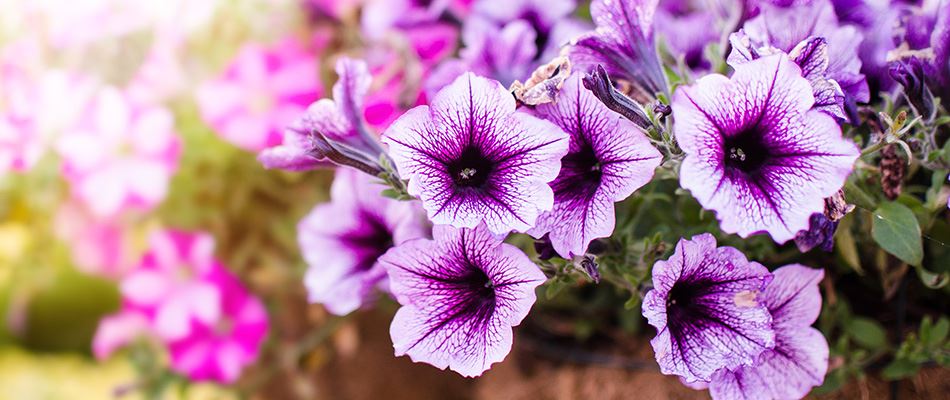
[623, 44]
[218, 350]
[261, 91]
[331, 130]
[471, 158]
[342, 240]
[705, 306]
[608, 158]
[755, 151]
[811, 35]
[460, 294]
[799, 360]
[121, 156]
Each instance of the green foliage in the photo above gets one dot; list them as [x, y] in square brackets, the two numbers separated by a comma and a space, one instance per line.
[896, 230]
[928, 345]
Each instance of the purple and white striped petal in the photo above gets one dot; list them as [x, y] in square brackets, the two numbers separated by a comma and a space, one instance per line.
[609, 158]
[342, 240]
[471, 158]
[623, 43]
[460, 294]
[799, 360]
[707, 310]
[755, 151]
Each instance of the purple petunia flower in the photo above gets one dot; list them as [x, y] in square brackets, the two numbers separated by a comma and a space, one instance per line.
[705, 308]
[342, 240]
[542, 15]
[608, 158]
[623, 43]
[471, 158]
[799, 360]
[810, 34]
[460, 294]
[925, 47]
[503, 53]
[756, 153]
[330, 130]
[687, 28]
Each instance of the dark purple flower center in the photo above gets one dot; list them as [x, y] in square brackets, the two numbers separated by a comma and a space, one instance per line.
[746, 151]
[369, 241]
[580, 175]
[471, 169]
[684, 308]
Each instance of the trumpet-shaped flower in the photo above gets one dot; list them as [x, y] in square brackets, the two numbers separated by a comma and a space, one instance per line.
[707, 310]
[756, 153]
[460, 294]
[471, 158]
[342, 240]
[608, 158]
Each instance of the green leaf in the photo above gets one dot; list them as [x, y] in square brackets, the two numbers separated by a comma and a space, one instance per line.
[867, 332]
[938, 333]
[896, 230]
[855, 195]
[846, 245]
[900, 369]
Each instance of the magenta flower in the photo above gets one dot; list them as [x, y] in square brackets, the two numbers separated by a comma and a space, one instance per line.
[706, 310]
[260, 93]
[330, 130]
[799, 360]
[173, 283]
[218, 350]
[460, 294]
[471, 158]
[755, 151]
[608, 158]
[121, 156]
[342, 240]
[623, 43]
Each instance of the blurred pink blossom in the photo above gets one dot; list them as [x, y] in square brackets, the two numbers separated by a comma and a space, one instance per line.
[261, 92]
[219, 350]
[121, 155]
[34, 104]
[98, 246]
[183, 297]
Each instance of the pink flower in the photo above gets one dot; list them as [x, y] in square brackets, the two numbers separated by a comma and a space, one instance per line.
[99, 246]
[261, 92]
[121, 156]
[180, 295]
[174, 283]
[219, 350]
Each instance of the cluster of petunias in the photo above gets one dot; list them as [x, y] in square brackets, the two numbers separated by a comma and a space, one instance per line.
[762, 148]
[728, 324]
[182, 297]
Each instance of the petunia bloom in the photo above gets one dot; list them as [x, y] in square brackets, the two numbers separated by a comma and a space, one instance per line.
[342, 240]
[756, 153]
[623, 43]
[172, 282]
[799, 360]
[260, 92]
[706, 308]
[505, 54]
[608, 158]
[460, 294]
[330, 130]
[471, 158]
[121, 156]
[543, 15]
[218, 350]
[810, 33]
